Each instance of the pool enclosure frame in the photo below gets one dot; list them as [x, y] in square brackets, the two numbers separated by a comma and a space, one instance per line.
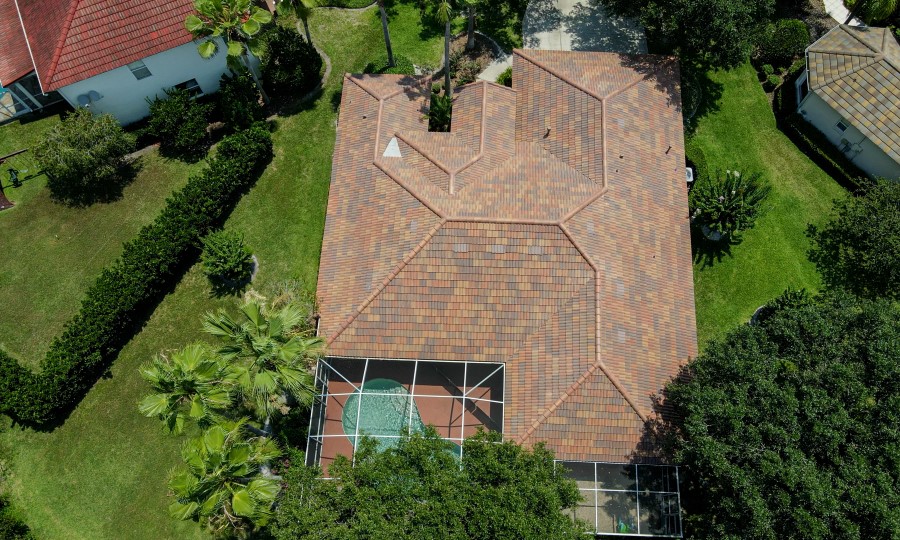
[326, 371]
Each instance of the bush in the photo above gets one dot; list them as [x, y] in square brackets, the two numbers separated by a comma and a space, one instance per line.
[697, 158]
[226, 258]
[120, 297]
[728, 205]
[782, 42]
[402, 65]
[440, 112]
[179, 123]
[768, 70]
[772, 81]
[817, 147]
[238, 102]
[11, 526]
[505, 78]
[291, 66]
[84, 157]
[859, 248]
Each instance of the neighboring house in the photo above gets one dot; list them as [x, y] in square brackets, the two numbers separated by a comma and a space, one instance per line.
[105, 54]
[528, 272]
[851, 93]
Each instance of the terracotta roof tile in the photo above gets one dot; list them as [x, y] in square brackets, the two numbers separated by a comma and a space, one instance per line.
[529, 248]
[15, 62]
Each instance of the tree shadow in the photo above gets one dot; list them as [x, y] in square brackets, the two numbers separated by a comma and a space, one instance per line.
[706, 252]
[594, 29]
[540, 16]
[84, 196]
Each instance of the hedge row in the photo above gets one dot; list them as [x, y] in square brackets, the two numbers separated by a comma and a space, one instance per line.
[119, 300]
[818, 148]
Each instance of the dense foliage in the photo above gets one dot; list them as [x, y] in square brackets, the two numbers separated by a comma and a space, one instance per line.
[118, 300]
[419, 489]
[238, 102]
[782, 41]
[226, 259]
[711, 33]
[440, 112]
[859, 249]
[11, 526]
[790, 428]
[291, 66]
[402, 65]
[84, 157]
[820, 150]
[505, 78]
[179, 123]
[730, 204]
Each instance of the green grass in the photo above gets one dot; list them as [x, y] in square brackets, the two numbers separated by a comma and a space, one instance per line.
[742, 136]
[52, 253]
[102, 473]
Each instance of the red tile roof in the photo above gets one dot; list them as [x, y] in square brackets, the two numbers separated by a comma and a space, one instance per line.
[15, 62]
[548, 230]
[73, 40]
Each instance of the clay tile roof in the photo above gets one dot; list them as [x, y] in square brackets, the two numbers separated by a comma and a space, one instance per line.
[15, 62]
[856, 70]
[548, 230]
[73, 40]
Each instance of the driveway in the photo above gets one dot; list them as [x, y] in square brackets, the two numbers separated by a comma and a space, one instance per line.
[579, 25]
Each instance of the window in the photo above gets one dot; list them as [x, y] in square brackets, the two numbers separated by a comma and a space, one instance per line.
[841, 126]
[139, 70]
[191, 86]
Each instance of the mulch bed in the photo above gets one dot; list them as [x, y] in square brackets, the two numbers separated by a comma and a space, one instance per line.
[4, 202]
[466, 65]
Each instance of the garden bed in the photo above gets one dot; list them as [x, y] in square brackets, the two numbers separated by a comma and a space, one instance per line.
[466, 65]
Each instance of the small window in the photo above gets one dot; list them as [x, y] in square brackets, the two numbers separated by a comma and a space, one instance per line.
[841, 126]
[139, 70]
[191, 86]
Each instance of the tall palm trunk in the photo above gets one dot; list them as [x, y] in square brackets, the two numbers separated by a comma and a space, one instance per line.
[247, 64]
[447, 88]
[306, 29]
[470, 39]
[387, 34]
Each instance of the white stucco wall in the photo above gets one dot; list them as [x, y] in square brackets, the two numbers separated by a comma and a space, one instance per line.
[866, 155]
[125, 97]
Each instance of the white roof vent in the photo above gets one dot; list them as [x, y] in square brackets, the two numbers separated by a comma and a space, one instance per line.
[393, 149]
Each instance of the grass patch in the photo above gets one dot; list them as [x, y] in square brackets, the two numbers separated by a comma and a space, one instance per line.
[742, 135]
[102, 474]
[52, 253]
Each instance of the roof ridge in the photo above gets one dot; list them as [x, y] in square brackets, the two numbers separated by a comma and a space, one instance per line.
[67, 25]
[851, 71]
[847, 31]
[559, 75]
[386, 281]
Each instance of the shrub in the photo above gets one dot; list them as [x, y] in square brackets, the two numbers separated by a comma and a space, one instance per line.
[226, 258]
[84, 157]
[782, 41]
[238, 102]
[11, 526]
[697, 158]
[505, 78]
[767, 69]
[402, 65]
[859, 248]
[440, 112]
[728, 205]
[817, 147]
[119, 298]
[291, 66]
[772, 81]
[179, 123]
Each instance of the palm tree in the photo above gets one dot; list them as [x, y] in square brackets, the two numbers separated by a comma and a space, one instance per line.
[186, 385]
[872, 10]
[269, 352]
[471, 6]
[238, 23]
[302, 9]
[223, 483]
[444, 13]
[387, 35]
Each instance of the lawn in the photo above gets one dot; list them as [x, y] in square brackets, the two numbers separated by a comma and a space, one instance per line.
[742, 135]
[102, 473]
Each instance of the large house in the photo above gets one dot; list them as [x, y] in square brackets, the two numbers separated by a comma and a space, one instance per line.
[851, 93]
[528, 272]
[104, 54]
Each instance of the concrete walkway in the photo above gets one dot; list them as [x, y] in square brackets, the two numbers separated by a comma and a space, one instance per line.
[573, 25]
[838, 12]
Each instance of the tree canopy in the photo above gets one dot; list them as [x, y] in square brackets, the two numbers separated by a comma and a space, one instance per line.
[419, 489]
[859, 249]
[791, 428]
[711, 33]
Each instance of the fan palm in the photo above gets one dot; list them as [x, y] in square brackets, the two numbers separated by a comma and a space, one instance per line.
[302, 9]
[186, 385]
[872, 10]
[471, 11]
[223, 483]
[387, 34]
[238, 23]
[269, 352]
[444, 15]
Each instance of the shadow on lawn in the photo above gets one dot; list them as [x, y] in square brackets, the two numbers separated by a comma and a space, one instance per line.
[707, 253]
